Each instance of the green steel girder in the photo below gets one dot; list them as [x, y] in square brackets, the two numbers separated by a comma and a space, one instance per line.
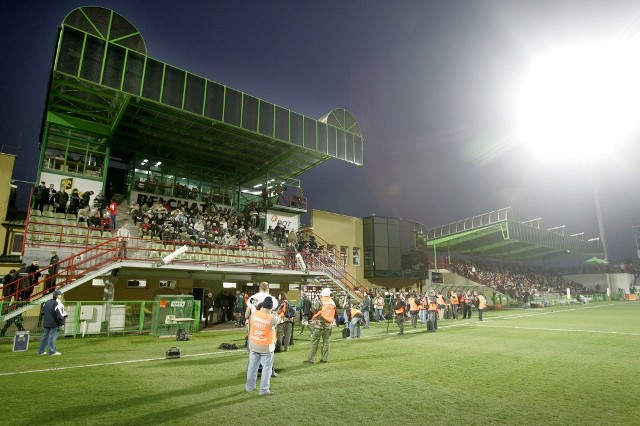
[512, 240]
[77, 123]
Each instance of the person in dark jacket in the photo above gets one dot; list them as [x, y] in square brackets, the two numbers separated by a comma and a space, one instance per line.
[208, 309]
[53, 271]
[61, 201]
[86, 198]
[40, 196]
[74, 202]
[9, 288]
[53, 320]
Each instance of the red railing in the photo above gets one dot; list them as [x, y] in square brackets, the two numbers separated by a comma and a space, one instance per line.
[99, 247]
[333, 263]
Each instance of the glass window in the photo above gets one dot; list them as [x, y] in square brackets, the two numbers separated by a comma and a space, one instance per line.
[16, 243]
[55, 155]
[368, 258]
[344, 253]
[380, 234]
[381, 259]
[356, 256]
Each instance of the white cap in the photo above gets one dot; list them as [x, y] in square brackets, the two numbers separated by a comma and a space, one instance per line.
[326, 292]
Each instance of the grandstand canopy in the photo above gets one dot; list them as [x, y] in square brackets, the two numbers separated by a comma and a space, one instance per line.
[105, 90]
[498, 235]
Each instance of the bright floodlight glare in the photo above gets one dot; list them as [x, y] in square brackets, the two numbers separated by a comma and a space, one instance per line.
[581, 101]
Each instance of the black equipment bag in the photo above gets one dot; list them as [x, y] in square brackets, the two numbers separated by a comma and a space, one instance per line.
[173, 353]
[181, 335]
[345, 332]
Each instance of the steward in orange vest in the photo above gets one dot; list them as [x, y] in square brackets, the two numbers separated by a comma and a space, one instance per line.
[324, 315]
[399, 307]
[454, 305]
[261, 344]
[432, 312]
[414, 308]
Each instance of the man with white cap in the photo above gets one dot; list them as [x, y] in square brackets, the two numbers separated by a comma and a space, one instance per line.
[324, 313]
[253, 302]
[261, 344]
[52, 320]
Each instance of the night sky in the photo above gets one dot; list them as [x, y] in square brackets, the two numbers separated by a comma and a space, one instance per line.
[432, 83]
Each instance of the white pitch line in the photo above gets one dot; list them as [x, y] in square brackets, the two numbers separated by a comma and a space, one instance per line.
[558, 329]
[104, 364]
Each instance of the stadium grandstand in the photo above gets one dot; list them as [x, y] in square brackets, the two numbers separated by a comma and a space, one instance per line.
[120, 125]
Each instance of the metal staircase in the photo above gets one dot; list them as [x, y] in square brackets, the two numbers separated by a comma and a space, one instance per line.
[78, 269]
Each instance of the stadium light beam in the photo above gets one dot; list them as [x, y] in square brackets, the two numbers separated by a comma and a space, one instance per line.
[582, 101]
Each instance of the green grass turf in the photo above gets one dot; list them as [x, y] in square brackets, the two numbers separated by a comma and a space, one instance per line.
[561, 365]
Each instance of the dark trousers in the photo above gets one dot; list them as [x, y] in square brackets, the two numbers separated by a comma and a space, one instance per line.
[466, 311]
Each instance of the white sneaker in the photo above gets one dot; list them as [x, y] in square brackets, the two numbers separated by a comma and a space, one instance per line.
[43, 353]
[56, 353]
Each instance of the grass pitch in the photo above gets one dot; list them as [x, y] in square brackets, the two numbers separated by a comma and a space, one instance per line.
[560, 365]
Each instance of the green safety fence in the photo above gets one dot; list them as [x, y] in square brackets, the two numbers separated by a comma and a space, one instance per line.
[111, 318]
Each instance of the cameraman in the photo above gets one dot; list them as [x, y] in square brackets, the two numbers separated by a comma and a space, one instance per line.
[399, 309]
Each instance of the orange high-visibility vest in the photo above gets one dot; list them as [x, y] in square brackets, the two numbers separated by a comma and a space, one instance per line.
[441, 300]
[328, 310]
[283, 310]
[260, 328]
[413, 306]
[433, 306]
[454, 300]
[482, 303]
[401, 310]
[353, 312]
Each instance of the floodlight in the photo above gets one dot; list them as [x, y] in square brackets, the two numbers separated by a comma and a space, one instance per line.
[582, 100]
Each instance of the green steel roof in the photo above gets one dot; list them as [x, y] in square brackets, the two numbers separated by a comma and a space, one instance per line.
[105, 88]
[498, 235]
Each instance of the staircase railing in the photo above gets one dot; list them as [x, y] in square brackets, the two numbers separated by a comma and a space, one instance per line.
[30, 290]
[340, 276]
[335, 268]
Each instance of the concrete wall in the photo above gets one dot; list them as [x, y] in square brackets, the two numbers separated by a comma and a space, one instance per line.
[6, 170]
[341, 230]
[618, 281]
